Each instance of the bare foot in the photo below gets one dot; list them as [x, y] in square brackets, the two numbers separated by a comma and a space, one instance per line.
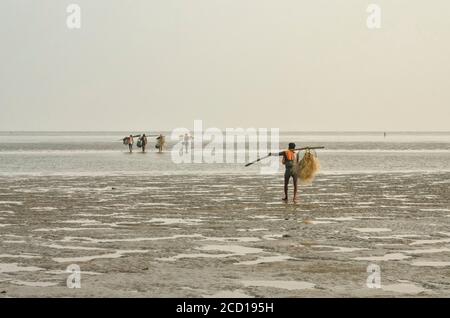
[285, 199]
[295, 200]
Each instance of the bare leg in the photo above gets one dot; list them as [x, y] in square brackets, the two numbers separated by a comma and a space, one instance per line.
[286, 184]
[295, 188]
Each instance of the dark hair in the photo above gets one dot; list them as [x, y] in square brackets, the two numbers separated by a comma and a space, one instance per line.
[291, 145]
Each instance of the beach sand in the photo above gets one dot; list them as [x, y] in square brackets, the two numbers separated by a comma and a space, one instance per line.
[225, 236]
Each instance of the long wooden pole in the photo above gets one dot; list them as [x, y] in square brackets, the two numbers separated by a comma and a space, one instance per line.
[257, 160]
[305, 148]
[270, 154]
[139, 136]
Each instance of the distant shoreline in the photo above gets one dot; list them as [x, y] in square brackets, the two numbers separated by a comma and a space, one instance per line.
[169, 131]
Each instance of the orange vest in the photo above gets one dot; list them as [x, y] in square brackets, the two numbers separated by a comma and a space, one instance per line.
[289, 156]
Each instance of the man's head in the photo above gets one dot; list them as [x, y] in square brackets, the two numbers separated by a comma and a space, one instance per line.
[291, 145]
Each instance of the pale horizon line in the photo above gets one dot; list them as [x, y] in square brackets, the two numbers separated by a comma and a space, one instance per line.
[281, 131]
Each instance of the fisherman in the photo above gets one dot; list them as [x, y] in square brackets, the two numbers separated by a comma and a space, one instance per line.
[161, 141]
[186, 139]
[143, 140]
[130, 143]
[290, 160]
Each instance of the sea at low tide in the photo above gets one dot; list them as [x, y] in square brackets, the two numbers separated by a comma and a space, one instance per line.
[141, 225]
[102, 153]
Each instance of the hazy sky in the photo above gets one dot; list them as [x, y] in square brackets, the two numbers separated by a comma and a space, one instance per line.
[160, 64]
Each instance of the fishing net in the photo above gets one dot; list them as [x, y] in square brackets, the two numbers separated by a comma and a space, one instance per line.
[161, 140]
[308, 167]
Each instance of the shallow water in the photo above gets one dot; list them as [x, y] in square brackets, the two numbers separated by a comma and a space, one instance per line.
[228, 294]
[266, 259]
[80, 259]
[431, 263]
[13, 267]
[224, 251]
[404, 288]
[33, 284]
[289, 285]
[102, 153]
[387, 257]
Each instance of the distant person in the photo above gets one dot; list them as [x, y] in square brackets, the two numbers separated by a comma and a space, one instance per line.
[143, 140]
[186, 140]
[130, 143]
[161, 140]
[289, 160]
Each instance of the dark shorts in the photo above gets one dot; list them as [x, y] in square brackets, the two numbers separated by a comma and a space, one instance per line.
[290, 170]
[290, 173]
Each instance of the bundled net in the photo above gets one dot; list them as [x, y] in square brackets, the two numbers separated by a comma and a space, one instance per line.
[308, 167]
[161, 140]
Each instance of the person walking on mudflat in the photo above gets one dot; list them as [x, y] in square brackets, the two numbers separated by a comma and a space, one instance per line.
[143, 142]
[130, 143]
[305, 169]
[290, 161]
[161, 140]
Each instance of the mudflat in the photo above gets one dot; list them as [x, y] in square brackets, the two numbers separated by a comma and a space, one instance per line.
[225, 236]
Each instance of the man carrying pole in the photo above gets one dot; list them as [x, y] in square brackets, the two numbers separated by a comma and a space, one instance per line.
[290, 161]
[305, 169]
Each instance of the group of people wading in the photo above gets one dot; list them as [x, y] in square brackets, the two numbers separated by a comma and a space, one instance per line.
[142, 142]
